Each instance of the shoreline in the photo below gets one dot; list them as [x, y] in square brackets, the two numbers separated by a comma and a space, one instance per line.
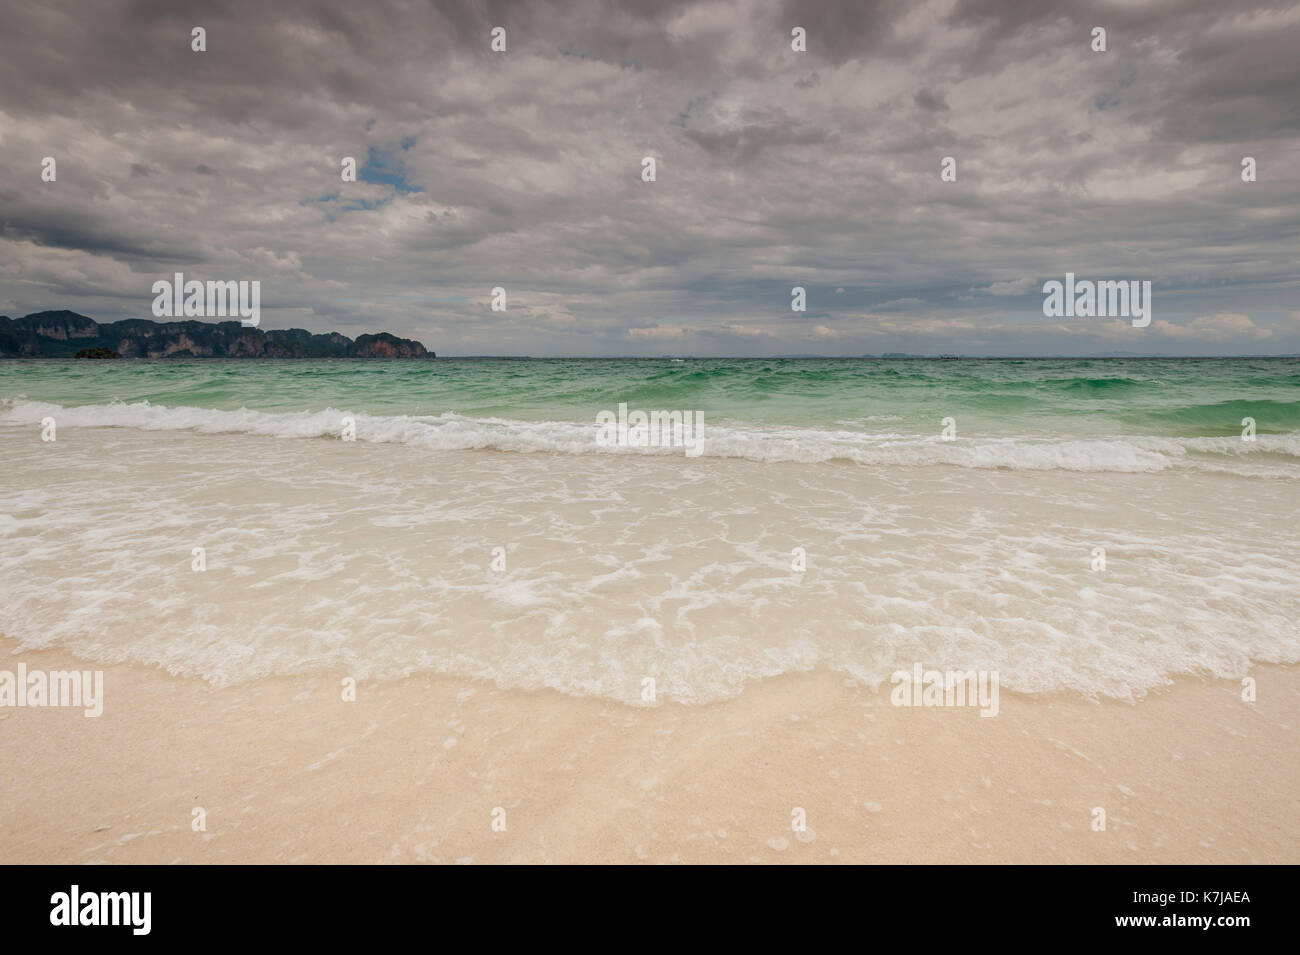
[413, 770]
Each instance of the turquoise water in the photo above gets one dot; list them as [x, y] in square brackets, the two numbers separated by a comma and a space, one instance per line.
[1048, 397]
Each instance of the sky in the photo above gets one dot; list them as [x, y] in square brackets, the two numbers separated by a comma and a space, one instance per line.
[774, 168]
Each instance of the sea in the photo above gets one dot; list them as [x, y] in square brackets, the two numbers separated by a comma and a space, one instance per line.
[1083, 526]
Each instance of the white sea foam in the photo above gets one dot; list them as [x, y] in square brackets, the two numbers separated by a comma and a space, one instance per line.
[454, 432]
[330, 556]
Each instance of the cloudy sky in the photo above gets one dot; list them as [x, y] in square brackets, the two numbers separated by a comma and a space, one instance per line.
[775, 168]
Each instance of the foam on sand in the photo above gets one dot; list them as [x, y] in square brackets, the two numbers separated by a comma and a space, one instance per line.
[375, 560]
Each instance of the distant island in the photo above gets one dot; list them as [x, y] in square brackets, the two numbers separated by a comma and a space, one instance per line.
[63, 334]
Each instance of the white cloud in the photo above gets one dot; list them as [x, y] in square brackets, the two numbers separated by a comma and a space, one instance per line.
[658, 331]
[1009, 287]
[1224, 327]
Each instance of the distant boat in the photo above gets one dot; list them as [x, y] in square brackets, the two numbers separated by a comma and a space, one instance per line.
[950, 358]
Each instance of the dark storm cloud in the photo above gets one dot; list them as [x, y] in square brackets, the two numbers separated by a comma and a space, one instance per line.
[930, 99]
[72, 229]
[774, 169]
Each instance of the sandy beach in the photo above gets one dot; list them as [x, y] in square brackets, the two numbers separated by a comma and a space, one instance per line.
[501, 610]
[700, 433]
[413, 770]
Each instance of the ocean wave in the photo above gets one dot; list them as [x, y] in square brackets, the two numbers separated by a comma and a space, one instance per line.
[450, 431]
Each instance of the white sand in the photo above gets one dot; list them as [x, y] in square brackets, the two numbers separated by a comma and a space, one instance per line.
[412, 771]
